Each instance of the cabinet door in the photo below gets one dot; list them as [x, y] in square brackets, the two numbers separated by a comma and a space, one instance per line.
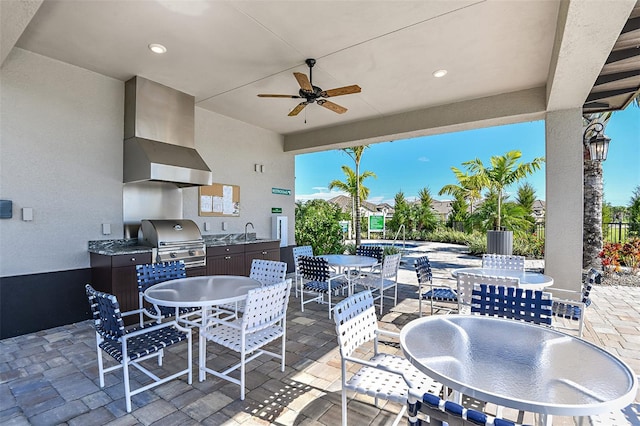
[265, 251]
[227, 264]
[125, 287]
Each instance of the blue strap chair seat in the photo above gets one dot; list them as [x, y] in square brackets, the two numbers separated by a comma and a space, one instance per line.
[323, 286]
[143, 344]
[439, 411]
[442, 294]
[566, 310]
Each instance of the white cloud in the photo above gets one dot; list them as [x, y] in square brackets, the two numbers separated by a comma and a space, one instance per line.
[322, 193]
[423, 159]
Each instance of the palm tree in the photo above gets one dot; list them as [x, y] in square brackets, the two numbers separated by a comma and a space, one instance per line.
[592, 241]
[353, 186]
[468, 187]
[504, 171]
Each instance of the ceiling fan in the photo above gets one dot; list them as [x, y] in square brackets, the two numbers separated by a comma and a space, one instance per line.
[312, 93]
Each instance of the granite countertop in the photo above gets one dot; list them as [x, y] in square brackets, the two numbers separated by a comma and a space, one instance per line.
[132, 246]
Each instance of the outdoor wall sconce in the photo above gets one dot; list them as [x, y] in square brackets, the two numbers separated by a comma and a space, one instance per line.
[598, 143]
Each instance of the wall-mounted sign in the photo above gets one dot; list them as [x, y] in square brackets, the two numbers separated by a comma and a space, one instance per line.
[376, 223]
[280, 191]
[276, 209]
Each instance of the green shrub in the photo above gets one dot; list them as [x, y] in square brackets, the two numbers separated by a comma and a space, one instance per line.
[477, 243]
[528, 245]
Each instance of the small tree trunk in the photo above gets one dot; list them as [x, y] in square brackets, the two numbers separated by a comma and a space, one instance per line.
[357, 205]
[592, 234]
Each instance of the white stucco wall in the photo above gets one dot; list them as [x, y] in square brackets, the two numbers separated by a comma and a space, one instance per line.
[564, 198]
[61, 130]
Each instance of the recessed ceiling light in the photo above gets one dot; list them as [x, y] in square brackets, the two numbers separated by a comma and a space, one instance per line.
[439, 73]
[157, 48]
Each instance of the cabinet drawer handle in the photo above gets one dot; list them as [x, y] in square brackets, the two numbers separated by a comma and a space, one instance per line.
[227, 257]
[133, 259]
[227, 249]
[264, 252]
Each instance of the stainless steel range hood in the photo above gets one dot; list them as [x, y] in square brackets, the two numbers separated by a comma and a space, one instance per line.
[159, 136]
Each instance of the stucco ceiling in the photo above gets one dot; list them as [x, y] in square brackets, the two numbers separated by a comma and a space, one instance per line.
[226, 52]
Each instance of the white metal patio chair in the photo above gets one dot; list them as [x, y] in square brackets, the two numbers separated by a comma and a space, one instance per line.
[131, 347]
[297, 252]
[467, 281]
[383, 376]
[267, 272]
[424, 274]
[264, 321]
[503, 261]
[570, 309]
[386, 279]
[319, 280]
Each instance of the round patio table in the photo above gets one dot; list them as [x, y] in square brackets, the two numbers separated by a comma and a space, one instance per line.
[519, 365]
[349, 262]
[201, 292]
[528, 280]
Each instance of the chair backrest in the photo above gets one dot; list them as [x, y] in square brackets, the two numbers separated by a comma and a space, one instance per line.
[449, 412]
[314, 268]
[512, 302]
[466, 282]
[356, 321]
[371, 251]
[593, 277]
[268, 271]
[390, 266]
[301, 251]
[422, 267]
[107, 318]
[266, 306]
[154, 273]
[503, 261]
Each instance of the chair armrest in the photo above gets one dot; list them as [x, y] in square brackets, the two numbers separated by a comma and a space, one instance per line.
[564, 293]
[154, 328]
[388, 333]
[570, 302]
[128, 313]
[336, 277]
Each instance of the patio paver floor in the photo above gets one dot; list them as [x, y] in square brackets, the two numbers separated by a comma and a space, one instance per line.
[51, 377]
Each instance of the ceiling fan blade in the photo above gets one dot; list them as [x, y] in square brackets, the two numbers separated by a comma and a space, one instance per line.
[297, 109]
[330, 105]
[266, 95]
[346, 90]
[303, 81]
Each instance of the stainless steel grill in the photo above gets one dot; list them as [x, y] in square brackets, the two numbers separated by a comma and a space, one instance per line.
[174, 239]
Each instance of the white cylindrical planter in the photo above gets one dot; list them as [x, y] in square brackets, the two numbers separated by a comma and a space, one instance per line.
[500, 242]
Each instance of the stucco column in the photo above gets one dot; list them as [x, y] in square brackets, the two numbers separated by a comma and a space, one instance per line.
[564, 205]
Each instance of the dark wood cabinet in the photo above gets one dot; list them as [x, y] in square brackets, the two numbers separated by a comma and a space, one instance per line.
[225, 260]
[117, 275]
[267, 251]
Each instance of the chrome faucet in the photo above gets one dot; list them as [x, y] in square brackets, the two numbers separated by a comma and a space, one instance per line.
[245, 229]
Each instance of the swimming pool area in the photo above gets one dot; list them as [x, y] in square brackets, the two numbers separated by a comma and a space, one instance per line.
[396, 244]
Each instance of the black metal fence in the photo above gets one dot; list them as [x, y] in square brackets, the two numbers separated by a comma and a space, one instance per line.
[612, 232]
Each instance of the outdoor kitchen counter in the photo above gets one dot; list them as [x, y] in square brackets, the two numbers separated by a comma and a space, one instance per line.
[131, 246]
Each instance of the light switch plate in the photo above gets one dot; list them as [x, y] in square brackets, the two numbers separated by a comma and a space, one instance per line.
[106, 229]
[27, 214]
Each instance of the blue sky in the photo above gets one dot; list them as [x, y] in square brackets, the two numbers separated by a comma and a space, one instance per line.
[412, 164]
